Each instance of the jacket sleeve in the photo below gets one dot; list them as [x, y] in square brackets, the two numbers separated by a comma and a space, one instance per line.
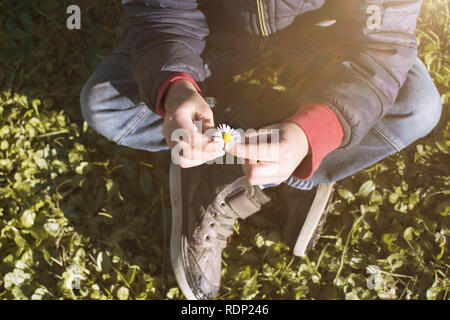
[166, 37]
[376, 47]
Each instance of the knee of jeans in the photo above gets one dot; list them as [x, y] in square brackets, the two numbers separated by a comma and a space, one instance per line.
[91, 105]
[427, 111]
[86, 98]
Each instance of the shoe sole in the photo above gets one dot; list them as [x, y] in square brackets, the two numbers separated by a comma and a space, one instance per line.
[176, 252]
[318, 208]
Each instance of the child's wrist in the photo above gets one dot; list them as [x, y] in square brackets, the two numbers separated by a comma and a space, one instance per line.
[177, 93]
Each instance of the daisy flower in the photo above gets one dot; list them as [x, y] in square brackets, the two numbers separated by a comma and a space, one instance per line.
[226, 136]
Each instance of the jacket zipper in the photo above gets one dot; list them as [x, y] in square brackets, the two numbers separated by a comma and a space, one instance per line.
[262, 25]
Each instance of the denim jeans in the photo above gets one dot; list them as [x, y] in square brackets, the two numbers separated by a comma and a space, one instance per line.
[111, 104]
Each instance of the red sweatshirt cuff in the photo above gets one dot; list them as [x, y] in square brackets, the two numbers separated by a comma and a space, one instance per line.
[324, 133]
[166, 84]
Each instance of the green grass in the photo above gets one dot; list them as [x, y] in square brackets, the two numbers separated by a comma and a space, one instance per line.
[75, 206]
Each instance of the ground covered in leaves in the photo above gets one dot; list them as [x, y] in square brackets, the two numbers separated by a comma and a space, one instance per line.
[83, 218]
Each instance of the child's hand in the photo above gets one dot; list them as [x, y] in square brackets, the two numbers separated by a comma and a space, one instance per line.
[184, 105]
[271, 162]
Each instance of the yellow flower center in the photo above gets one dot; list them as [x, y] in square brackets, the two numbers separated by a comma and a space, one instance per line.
[227, 137]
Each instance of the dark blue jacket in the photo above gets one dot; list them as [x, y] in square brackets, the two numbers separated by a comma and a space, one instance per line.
[169, 36]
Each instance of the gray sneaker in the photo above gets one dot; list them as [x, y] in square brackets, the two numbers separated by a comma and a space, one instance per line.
[206, 201]
[306, 213]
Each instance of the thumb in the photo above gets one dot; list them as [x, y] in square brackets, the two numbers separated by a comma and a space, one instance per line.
[204, 118]
[259, 145]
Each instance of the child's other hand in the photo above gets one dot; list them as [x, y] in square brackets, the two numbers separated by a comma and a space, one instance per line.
[184, 105]
[273, 162]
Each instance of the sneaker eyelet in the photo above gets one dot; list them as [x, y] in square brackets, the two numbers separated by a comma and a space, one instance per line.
[215, 214]
[206, 237]
[222, 204]
[212, 224]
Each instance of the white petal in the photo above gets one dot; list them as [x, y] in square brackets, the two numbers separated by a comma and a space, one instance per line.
[224, 128]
